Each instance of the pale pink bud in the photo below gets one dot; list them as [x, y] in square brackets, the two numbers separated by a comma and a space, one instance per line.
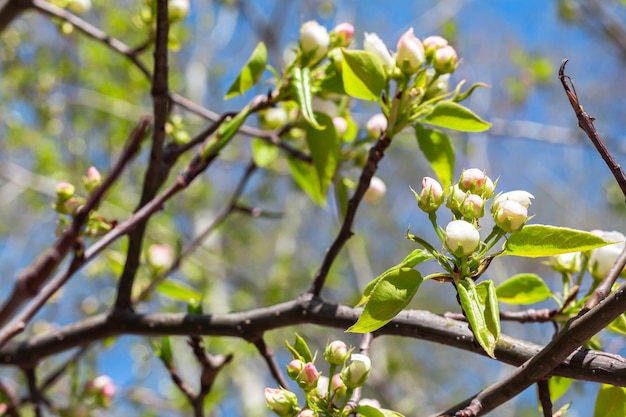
[308, 376]
[314, 39]
[462, 238]
[376, 46]
[160, 257]
[410, 55]
[93, 179]
[376, 125]
[431, 196]
[341, 125]
[519, 196]
[602, 259]
[281, 401]
[336, 352]
[64, 191]
[473, 180]
[432, 43]
[455, 199]
[306, 413]
[294, 368]
[356, 373]
[445, 59]
[102, 389]
[375, 191]
[344, 32]
[489, 189]
[510, 216]
[177, 9]
[473, 207]
[566, 262]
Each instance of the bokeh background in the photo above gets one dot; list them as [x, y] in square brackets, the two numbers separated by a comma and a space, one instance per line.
[68, 102]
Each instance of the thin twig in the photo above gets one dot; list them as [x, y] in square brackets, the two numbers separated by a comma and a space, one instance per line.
[527, 316]
[270, 360]
[604, 289]
[585, 122]
[543, 391]
[30, 280]
[35, 394]
[156, 173]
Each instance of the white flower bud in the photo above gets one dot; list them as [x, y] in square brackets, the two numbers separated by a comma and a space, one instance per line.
[410, 55]
[462, 238]
[602, 259]
[376, 46]
[314, 39]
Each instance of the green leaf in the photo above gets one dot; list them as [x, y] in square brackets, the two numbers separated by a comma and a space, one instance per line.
[324, 146]
[305, 175]
[610, 402]
[363, 74]
[250, 73]
[558, 386]
[458, 96]
[410, 261]
[178, 290]
[300, 350]
[263, 153]
[480, 304]
[537, 240]
[456, 117]
[369, 411]
[163, 351]
[302, 82]
[523, 289]
[438, 150]
[389, 296]
[619, 324]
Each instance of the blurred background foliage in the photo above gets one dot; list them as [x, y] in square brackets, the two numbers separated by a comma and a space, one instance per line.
[68, 102]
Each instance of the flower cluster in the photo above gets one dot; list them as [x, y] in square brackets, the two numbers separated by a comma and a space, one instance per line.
[324, 395]
[466, 200]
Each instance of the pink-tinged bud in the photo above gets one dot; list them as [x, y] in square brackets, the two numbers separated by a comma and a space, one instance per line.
[160, 257]
[294, 368]
[462, 238]
[344, 33]
[102, 389]
[473, 207]
[410, 55]
[510, 216]
[376, 125]
[519, 196]
[336, 352]
[432, 43]
[177, 9]
[341, 125]
[281, 401]
[473, 180]
[445, 60]
[274, 118]
[306, 413]
[356, 373]
[489, 189]
[431, 196]
[314, 40]
[602, 259]
[376, 46]
[307, 380]
[64, 191]
[566, 262]
[71, 206]
[92, 180]
[376, 191]
[455, 199]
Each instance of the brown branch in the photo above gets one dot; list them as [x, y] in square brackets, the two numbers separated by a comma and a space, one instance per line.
[585, 122]
[29, 281]
[527, 316]
[604, 288]
[156, 172]
[543, 391]
[574, 334]
[376, 154]
[582, 364]
[35, 394]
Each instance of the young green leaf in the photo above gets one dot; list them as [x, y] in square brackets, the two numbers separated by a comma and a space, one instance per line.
[456, 117]
[163, 351]
[305, 175]
[479, 302]
[178, 290]
[250, 73]
[301, 78]
[537, 240]
[300, 350]
[438, 150]
[263, 153]
[390, 295]
[558, 386]
[410, 261]
[610, 402]
[324, 146]
[363, 74]
[523, 288]
[619, 324]
[369, 411]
